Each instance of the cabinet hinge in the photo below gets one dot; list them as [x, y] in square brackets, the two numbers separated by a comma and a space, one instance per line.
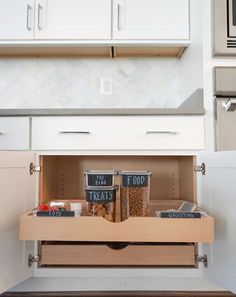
[202, 259]
[33, 168]
[201, 168]
[32, 260]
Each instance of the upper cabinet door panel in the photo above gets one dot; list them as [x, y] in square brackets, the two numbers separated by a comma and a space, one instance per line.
[73, 19]
[16, 19]
[151, 19]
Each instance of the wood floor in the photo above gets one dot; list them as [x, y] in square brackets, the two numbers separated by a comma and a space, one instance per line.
[120, 294]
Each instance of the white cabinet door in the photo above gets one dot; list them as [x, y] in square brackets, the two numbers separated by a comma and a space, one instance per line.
[219, 197]
[151, 19]
[14, 133]
[16, 19]
[17, 196]
[73, 19]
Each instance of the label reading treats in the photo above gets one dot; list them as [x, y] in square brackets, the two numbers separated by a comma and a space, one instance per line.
[100, 196]
[135, 180]
[99, 179]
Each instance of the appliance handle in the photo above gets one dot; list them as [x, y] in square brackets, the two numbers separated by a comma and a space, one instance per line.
[229, 105]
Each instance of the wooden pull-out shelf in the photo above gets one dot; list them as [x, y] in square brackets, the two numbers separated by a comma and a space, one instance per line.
[60, 254]
[134, 229]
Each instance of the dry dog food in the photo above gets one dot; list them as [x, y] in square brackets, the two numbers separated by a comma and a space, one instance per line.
[134, 193]
[101, 202]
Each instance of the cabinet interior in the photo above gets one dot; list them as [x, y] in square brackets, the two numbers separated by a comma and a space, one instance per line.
[172, 180]
[62, 177]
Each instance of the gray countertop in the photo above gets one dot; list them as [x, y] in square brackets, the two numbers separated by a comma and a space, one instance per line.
[192, 106]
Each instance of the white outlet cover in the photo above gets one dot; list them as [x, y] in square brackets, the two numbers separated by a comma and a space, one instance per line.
[106, 86]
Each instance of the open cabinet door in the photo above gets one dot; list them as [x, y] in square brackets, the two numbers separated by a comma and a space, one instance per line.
[219, 198]
[17, 197]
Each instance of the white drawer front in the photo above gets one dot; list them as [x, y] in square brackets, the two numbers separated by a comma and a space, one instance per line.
[118, 132]
[14, 133]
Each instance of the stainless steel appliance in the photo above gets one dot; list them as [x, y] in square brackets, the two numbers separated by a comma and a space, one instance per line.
[225, 108]
[232, 17]
[224, 27]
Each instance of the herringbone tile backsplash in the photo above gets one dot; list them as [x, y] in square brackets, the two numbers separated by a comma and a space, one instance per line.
[74, 83]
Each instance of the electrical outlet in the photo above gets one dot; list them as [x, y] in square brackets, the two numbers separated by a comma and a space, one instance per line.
[106, 86]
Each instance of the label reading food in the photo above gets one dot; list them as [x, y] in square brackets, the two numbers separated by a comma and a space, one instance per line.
[135, 180]
[100, 180]
[102, 196]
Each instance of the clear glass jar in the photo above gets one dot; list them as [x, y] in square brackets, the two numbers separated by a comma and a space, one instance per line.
[134, 193]
[101, 202]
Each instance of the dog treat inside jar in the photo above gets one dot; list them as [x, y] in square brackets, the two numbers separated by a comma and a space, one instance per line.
[134, 193]
[101, 202]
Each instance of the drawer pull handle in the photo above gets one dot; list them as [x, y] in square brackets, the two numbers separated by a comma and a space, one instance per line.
[74, 132]
[162, 132]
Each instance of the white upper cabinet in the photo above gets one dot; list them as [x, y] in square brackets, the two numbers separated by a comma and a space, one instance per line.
[93, 20]
[55, 19]
[151, 19]
[72, 19]
[16, 19]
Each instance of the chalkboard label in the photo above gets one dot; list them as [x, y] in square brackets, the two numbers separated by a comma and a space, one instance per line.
[134, 180]
[100, 180]
[180, 215]
[57, 213]
[101, 196]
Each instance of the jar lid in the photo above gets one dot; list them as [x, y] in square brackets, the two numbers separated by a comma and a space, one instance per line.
[96, 188]
[101, 172]
[144, 172]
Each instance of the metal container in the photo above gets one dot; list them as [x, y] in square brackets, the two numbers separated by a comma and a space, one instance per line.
[101, 202]
[134, 193]
[100, 178]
